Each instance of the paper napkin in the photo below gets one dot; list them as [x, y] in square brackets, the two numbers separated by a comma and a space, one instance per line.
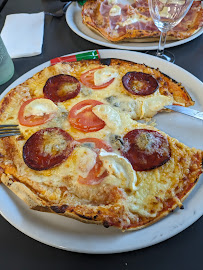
[23, 34]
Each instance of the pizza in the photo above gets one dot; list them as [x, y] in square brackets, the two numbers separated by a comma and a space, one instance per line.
[119, 22]
[82, 151]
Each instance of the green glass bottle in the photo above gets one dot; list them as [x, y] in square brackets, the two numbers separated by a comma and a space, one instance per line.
[6, 64]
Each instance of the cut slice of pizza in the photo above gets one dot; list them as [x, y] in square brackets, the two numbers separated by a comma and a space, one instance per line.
[136, 89]
[92, 162]
[118, 22]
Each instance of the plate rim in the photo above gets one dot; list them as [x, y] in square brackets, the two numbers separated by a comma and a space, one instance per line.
[93, 250]
[73, 8]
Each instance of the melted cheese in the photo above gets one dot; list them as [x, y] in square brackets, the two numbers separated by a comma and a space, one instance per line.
[104, 75]
[115, 11]
[120, 171]
[53, 144]
[178, 2]
[111, 2]
[134, 18]
[110, 116]
[85, 160]
[40, 107]
[154, 103]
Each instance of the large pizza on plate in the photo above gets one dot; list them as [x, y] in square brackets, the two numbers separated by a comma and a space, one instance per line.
[117, 22]
[82, 152]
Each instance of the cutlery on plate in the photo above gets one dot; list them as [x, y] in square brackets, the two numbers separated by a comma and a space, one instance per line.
[9, 130]
[59, 13]
[185, 110]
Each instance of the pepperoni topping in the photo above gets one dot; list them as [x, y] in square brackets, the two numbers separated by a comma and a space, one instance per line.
[138, 83]
[61, 87]
[47, 148]
[81, 116]
[97, 173]
[146, 149]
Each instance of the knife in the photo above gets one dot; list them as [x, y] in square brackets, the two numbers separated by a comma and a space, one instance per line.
[185, 110]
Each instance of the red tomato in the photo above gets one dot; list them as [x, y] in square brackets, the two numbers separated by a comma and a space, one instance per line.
[87, 79]
[82, 118]
[97, 144]
[97, 173]
[95, 176]
[32, 120]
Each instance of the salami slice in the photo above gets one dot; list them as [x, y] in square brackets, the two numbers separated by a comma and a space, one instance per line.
[139, 83]
[61, 87]
[146, 149]
[47, 148]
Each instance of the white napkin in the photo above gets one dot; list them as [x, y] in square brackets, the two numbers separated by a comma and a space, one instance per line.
[23, 34]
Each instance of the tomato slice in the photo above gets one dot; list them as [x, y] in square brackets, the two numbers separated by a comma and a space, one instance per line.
[87, 79]
[97, 173]
[96, 144]
[95, 176]
[81, 116]
[32, 120]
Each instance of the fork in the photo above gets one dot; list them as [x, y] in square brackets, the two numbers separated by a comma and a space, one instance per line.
[59, 13]
[9, 130]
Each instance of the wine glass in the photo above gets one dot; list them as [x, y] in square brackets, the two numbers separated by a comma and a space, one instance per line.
[166, 14]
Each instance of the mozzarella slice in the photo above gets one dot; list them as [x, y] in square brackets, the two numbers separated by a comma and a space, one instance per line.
[133, 19]
[111, 2]
[40, 107]
[173, 2]
[110, 116]
[120, 168]
[115, 11]
[104, 75]
[85, 160]
[154, 103]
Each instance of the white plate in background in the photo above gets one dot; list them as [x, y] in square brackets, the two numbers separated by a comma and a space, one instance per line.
[74, 20]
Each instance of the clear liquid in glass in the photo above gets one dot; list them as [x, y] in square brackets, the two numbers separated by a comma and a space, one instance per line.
[6, 64]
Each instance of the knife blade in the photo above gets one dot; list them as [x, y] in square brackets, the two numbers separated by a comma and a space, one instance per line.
[187, 111]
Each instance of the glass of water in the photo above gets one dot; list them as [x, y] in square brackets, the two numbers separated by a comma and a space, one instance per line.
[166, 14]
[6, 64]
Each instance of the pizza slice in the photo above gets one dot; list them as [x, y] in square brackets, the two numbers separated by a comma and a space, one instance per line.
[118, 22]
[136, 89]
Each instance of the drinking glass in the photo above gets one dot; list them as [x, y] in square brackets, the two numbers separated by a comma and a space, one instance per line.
[6, 64]
[166, 14]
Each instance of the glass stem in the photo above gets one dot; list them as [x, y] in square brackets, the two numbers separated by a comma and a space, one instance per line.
[162, 42]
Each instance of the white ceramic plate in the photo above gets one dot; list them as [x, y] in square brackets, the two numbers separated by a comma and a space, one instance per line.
[72, 235]
[74, 20]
